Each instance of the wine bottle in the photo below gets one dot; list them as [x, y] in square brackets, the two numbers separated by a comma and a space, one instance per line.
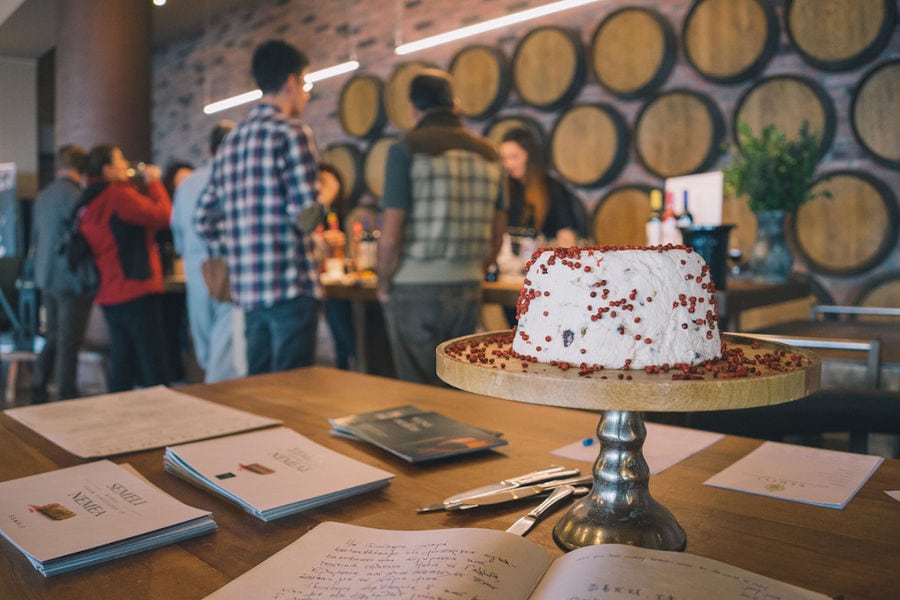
[685, 218]
[654, 223]
[670, 233]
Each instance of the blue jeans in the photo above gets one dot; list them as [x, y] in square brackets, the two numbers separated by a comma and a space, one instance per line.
[282, 336]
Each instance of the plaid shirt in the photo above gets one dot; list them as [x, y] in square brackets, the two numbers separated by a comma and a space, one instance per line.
[263, 177]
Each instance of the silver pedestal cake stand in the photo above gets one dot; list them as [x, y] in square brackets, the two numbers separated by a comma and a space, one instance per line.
[619, 509]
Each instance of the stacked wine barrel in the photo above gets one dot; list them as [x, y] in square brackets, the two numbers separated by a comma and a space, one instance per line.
[641, 94]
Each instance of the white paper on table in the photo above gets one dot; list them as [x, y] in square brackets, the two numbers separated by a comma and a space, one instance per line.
[809, 475]
[895, 494]
[665, 446]
[130, 421]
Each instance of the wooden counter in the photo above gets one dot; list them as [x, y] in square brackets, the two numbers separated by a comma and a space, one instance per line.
[852, 552]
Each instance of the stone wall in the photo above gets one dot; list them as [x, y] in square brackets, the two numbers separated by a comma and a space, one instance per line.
[192, 73]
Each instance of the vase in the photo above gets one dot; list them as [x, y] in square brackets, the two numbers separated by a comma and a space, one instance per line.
[771, 259]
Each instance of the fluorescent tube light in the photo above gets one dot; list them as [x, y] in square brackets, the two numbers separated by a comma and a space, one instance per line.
[344, 67]
[491, 24]
[244, 98]
[310, 79]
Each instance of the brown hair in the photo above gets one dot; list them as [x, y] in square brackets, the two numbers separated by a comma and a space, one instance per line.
[535, 194]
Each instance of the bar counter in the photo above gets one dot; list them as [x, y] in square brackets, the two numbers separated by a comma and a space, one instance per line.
[852, 552]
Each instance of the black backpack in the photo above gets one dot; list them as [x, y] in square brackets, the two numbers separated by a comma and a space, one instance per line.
[79, 259]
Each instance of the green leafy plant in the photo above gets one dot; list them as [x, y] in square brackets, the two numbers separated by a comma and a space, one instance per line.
[775, 172]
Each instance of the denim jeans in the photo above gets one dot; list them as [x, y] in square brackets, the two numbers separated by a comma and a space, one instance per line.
[419, 317]
[137, 343]
[282, 336]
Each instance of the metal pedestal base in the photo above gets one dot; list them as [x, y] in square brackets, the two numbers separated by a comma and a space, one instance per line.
[619, 508]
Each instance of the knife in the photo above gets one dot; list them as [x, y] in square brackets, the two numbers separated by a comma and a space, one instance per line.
[524, 492]
[456, 500]
[524, 524]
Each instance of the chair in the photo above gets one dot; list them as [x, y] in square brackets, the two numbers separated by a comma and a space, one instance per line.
[858, 408]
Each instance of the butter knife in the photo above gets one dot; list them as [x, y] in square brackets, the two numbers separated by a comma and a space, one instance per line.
[524, 524]
[454, 501]
[524, 492]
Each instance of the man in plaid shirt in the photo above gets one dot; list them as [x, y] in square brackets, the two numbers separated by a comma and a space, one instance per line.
[445, 214]
[259, 209]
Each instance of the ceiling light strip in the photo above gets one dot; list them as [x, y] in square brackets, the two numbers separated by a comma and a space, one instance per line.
[311, 78]
[491, 24]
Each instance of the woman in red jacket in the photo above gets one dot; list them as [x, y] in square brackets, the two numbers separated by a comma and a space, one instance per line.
[119, 224]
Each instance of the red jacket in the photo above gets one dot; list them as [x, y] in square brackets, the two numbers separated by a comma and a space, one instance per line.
[119, 224]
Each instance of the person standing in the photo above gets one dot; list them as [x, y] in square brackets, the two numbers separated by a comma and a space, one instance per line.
[66, 304]
[444, 218]
[538, 202]
[259, 211]
[211, 322]
[120, 224]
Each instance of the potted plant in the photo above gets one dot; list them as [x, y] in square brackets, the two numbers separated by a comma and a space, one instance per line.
[776, 174]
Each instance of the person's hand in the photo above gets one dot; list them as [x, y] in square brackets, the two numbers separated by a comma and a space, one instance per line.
[334, 238]
[152, 173]
[383, 292]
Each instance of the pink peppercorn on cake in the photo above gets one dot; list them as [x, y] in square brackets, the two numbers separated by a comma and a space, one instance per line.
[618, 308]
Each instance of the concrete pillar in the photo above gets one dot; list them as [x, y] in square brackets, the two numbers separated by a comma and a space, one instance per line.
[103, 74]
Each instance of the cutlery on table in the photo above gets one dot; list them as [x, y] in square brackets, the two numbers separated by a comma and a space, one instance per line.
[525, 523]
[456, 500]
[525, 492]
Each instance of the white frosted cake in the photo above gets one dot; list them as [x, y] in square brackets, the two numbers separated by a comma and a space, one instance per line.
[618, 308]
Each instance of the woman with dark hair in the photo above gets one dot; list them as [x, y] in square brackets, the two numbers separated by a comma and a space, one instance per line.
[538, 202]
[119, 224]
[338, 313]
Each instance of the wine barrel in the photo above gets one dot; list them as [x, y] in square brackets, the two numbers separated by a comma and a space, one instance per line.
[481, 77]
[852, 231]
[838, 35]
[728, 41]
[633, 51]
[373, 169]
[786, 101]
[589, 144]
[678, 132]
[874, 113]
[361, 106]
[498, 126]
[348, 161]
[882, 291]
[621, 215]
[548, 67]
[396, 93]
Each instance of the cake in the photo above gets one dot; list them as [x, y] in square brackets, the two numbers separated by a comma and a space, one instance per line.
[619, 308]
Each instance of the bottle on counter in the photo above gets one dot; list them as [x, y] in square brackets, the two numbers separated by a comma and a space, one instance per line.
[670, 233]
[654, 223]
[367, 248]
[333, 225]
[685, 218]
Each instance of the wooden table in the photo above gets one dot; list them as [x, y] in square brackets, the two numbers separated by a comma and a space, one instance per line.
[853, 552]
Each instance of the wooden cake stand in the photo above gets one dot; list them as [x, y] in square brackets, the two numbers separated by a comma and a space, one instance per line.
[619, 508]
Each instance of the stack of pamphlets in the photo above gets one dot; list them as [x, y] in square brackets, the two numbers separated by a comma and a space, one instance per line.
[414, 435]
[273, 472]
[88, 514]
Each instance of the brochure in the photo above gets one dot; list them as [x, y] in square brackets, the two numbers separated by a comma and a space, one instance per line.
[274, 472]
[415, 435]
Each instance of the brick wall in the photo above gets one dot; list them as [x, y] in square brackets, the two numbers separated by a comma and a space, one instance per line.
[192, 73]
